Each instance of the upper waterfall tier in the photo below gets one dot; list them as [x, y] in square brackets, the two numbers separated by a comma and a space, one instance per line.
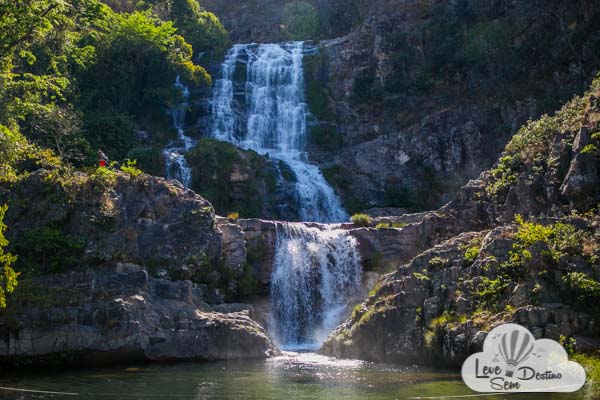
[259, 104]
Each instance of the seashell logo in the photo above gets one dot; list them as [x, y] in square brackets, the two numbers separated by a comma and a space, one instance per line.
[512, 360]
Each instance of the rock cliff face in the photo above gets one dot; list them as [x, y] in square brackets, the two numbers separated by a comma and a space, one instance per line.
[242, 181]
[263, 21]
[413, 99]
[423, 95]
[485, 268]
[119, 267]
[120, 313]
[142, 220]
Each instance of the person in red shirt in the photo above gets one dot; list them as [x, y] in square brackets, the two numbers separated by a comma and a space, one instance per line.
[103, 159]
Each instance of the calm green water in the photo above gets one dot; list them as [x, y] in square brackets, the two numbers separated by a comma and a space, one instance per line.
[295, 376]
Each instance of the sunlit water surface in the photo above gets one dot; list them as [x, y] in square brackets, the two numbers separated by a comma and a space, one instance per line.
[293, 376]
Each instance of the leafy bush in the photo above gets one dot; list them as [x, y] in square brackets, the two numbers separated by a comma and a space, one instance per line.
[233, 216]
[423, 277]
[438, 262]
[213, 163]
[492, 292]
[130, 168]
[447, 319]
[8, 276]
[504, 174]
[585, 289]
[561, 240]
[48, 250]
[104, 177]
[589, 149]
[112, 132]
[471, 254]
[591, 363]
[362, 220]
[16, 152]
[301, 20]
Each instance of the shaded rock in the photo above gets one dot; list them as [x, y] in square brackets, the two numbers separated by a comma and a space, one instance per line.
[108, 314]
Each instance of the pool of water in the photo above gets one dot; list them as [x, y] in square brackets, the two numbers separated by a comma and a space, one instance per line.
[292, 376]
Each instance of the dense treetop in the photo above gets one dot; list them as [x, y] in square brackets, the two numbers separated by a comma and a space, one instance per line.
[77, 74]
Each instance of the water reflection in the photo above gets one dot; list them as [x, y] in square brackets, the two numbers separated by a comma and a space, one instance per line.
[291, 376]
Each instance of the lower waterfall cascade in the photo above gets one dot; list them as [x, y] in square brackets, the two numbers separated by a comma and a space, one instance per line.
[316, 273]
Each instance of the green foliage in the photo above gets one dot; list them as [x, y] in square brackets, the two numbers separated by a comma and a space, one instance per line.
[560, 240]
[301, 20]
[590, 149]
[48, 250]
[492, 292]
[532, 241]
[104, 177]
[361, 220]
[8, 276]
[149, 159]
[214, 163]
[77, 75]
[131, 169]
[18, 155]
[201, 28]
[447, 319]
[114, 133]
[423, 277]
[438, 262]
[591, 363]
[471, 254]
[583, 288]
[504, 174]
[536, 136]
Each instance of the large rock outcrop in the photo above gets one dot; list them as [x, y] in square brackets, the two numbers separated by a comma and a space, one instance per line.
[120, 313]
[117, 266]
[143, 220]
[419, 104]
[485, 268]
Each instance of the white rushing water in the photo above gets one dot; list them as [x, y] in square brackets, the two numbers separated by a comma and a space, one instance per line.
[259, 104]
[174, 154]
[274, 119]
[316, 272]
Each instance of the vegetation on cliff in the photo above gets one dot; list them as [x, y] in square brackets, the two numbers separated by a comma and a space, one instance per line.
[518, 245]
[8, 276]
[238, 181]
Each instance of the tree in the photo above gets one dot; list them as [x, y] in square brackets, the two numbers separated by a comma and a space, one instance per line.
[8, 276]
[301, 20]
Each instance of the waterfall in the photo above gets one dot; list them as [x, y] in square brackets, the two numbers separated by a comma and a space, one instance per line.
[274, 118]
[316, 272]
[174, 154]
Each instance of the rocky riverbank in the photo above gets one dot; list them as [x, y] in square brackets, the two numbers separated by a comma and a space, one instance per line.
[119, 267]
[520, 244]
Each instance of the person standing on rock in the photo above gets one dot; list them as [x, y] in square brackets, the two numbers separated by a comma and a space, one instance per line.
[102, 159]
